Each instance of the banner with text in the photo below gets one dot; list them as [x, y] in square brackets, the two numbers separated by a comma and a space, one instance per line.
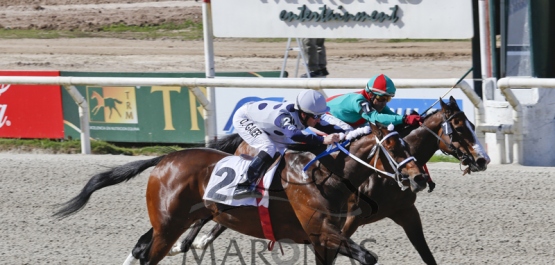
[142, 114]
[395, 19]
[31, 111]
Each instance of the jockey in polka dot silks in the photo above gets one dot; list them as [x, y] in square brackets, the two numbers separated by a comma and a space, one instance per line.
[269, 126]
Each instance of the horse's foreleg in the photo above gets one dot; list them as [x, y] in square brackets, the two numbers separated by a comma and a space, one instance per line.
[350, 226]
[333, 243]
[327, 253]
[353, 250]
[323, 255]
[409, 219]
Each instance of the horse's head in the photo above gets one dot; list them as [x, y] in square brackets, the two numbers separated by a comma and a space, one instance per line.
[389, 156]
[458, 137]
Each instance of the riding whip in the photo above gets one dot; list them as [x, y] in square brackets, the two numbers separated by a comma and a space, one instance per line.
[467, 72]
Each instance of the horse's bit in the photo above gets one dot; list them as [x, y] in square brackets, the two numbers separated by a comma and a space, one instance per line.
[448, 130]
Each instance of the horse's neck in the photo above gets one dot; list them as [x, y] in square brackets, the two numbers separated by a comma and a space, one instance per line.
[333, 178]
[424, 144]
[355, 172]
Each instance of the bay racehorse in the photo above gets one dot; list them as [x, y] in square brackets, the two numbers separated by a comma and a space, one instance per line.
[305, 211]
[446, 129]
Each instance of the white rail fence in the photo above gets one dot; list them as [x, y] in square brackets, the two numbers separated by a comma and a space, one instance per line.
[532, 121]
[193, 84]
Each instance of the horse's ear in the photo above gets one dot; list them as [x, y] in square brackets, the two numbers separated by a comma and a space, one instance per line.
[443, 105]
[453, 103]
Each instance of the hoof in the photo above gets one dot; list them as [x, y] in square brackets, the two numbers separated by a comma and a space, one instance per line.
[176, 249]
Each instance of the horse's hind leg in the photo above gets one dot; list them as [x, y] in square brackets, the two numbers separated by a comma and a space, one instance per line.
[185, 245]
[168, 227]
[140, 250]
[201, 243]
[163, 238]
[330, 242]
[409, 219]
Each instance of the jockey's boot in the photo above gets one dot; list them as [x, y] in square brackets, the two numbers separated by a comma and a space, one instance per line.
[257, 168]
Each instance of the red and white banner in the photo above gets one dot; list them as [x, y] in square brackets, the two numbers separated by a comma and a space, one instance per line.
[31, 111]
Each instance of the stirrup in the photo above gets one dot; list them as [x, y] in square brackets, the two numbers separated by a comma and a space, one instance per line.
[246, 192]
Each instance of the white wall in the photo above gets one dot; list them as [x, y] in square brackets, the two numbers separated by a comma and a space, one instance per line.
[539, 129]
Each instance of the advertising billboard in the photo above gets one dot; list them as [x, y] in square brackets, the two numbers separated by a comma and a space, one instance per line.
[31, 111]
[141, 114]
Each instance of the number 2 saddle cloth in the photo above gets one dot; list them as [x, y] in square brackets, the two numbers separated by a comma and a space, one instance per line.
[227, 174]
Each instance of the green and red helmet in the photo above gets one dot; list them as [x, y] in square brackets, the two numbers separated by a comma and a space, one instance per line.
[381, 85]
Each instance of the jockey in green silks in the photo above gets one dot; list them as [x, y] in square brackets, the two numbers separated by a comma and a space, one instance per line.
[370, 105]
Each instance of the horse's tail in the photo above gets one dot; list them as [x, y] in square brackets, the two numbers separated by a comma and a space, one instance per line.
[108, 178]
[228, 144]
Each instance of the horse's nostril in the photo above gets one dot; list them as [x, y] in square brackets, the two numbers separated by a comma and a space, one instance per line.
[481, 162]
[419, 178]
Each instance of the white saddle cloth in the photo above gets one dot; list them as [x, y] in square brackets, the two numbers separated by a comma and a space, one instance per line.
[228, 173]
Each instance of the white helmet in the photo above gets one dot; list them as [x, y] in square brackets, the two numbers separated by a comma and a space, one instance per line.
[311, 101]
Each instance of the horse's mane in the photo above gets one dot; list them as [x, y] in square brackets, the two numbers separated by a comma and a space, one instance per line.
[429, 114]
[405, 130]
[228, 144]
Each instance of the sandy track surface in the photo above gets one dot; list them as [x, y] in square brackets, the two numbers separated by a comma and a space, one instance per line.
[345, 60]
[502, 216]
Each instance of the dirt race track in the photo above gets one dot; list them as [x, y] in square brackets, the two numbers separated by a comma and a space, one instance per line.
[505, 215]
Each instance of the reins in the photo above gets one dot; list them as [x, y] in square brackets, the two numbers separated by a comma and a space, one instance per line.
[375, 152]
[396, 166]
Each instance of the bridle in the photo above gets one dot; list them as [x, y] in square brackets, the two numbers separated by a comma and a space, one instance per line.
[375, 153]
[448, 130]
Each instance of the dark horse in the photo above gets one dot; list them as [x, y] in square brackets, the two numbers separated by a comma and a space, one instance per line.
[305, 211]
[447, 130]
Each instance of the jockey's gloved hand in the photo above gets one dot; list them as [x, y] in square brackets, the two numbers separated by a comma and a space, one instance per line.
[331, 138]
[341, 136]
[412, 120]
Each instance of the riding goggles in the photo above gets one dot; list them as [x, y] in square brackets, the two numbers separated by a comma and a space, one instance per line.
[382, 98]
[316, 116]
